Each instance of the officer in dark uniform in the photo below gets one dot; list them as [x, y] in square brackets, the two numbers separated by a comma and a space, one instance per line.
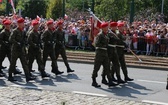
[101, 57]
[49, 47]
[5, 49]
[18, 39]
[35, 49]
[60, 45]
[120, 50]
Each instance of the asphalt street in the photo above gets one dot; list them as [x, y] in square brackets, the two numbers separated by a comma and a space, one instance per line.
[148, 86]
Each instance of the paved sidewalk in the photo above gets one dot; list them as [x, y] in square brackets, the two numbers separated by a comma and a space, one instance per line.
[21, 96]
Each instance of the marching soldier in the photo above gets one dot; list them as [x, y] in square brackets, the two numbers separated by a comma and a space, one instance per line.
[113, 56]
[60, 45]
[101, 57]
[49, 47]
[17, 40]
[35, 49]
[120, 50]
[5, 49]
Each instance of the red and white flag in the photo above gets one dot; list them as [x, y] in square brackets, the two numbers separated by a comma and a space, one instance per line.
[13, 6]
[95, 28]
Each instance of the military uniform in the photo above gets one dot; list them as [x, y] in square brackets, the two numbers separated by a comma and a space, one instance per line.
[35, 51]
[5, 45]
[113, 57]
[101, 58]
[120, 50]
[5, 49]
[18, 39]
[49, 50]
[60, 47]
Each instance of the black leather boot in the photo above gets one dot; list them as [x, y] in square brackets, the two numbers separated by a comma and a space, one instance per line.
[44, 74]
[111, 83]
[70, 70]
[114, 79]
[2, 67]
[128, 79]
[17, 71]
[94, 83]
[104, 81]
[119, 80]
[11, 78]
[57, 72]
[29, 78]
[2, 73]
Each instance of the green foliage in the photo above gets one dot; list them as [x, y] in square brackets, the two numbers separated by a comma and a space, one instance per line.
[32, 8]
[78, 4]
[107, 9]
[2, 8]
[54, 9]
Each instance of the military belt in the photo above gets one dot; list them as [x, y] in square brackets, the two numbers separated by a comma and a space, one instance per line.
[120, 46]
[110, 45]
[101, 48]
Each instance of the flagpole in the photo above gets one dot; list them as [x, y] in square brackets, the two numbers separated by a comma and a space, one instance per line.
[14, 10]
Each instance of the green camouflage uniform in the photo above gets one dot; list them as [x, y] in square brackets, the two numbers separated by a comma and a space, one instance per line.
[35, 50]
[101, 57]
[60, 46]
[49, 48]
[113, 56]
[5, 46]
[120, 51]
[18, 50]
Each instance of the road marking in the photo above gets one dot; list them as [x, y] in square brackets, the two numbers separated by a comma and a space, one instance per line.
[29, 87]
[2, 87]
[154, 102]
[92, 94]
[152, 81]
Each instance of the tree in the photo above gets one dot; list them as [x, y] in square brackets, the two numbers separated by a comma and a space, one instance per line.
[111, 9]
[81, 5]
[54, 9]
[32, 8]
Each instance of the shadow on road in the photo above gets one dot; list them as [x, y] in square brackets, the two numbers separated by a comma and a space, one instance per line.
[127, 90]
[2, 82]
[47, 81]
[72, 76]
[137, 86]
[60, 78]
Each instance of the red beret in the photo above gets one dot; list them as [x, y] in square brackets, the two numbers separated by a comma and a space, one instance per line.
[20, 20]
[7, 22]
[3, 21]
[120, 24]
[49, 22]
[60, 23]
[35, 22]
[104, 24]
[113, 24]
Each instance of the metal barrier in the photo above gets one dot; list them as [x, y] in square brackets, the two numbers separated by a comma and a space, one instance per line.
[144, 44]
